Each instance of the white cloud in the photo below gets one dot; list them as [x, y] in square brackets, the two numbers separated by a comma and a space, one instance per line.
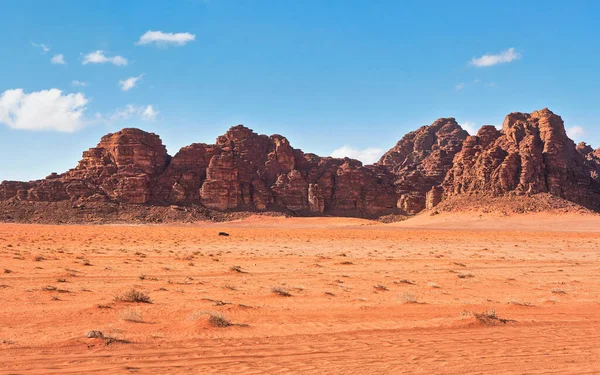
[460, 86]
[576, 132]
[368, 155]
[44, 47]
[130, 110]
[149, 113]
[470, 127]
[129, 83]
[98, 57]
[160, 38]
[58, 59]
[42, 110]
[79, 83]
[500, 58]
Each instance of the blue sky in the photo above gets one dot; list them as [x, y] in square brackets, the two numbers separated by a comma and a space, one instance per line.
[326, 74]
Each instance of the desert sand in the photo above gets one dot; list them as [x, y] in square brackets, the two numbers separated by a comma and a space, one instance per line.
[365, 297]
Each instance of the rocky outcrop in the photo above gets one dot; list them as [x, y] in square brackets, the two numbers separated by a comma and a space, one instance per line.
[421, 160]
[245, 171]
[531, 154]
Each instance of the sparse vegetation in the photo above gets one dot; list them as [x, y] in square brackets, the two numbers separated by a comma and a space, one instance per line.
[280, 291]
[215, 319]
[465, 275]
[218, 320]
[131, 315]
[381, 287]
[133, 295]
[405, 281]
[490, 318]
[236, 269]
[409, 298]
[558, 291]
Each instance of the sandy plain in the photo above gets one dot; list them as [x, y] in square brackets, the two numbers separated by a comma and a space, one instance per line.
[366, 297]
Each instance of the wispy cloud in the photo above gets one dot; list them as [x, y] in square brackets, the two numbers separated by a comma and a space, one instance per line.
[576, 132]
[470, 127]
[129, 83]
[79, 83]
[143, 112]
[149, 113]
[368, 155]
[164, 39]
[499, 58]
[98, 57]
[58, 59]
[44, 47]
[475, 82]
[42, 110]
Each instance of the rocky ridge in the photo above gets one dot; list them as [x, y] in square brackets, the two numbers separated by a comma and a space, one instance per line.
[245, 171]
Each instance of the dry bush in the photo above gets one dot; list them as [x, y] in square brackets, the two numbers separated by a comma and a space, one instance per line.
[215, 319]
[490, 318]
[133, 295]
[132, 315]
[236, 269]
[218, 320]
[409, 298]
[405, 281]
[280, 291]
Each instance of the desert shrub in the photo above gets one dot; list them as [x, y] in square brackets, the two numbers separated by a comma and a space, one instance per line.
[131, 315]
[133, 295]
[490, 318]
[280, 291]
[409, 298]
[218, 320]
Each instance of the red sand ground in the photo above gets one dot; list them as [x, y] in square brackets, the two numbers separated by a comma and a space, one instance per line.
[351, 310]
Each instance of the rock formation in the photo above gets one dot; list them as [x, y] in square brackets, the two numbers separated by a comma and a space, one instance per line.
[245, 171]
[421, 160]
[531, 154]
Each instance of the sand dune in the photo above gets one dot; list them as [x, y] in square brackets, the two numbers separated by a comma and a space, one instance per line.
[366, 297]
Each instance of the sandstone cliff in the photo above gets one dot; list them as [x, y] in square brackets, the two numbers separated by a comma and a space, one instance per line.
[531, 154]
[245, 171]
[421, 160]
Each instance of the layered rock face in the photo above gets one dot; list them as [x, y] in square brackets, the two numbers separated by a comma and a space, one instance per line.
[120, 169]
[245, 171]
[531, 154]
[420, 162]
[242, 171]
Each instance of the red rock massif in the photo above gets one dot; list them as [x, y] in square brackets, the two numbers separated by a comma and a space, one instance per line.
[245, 171]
